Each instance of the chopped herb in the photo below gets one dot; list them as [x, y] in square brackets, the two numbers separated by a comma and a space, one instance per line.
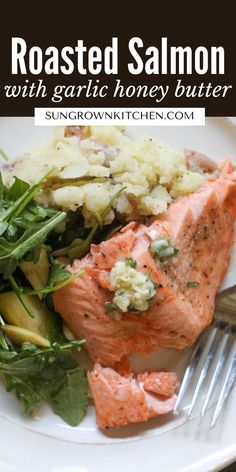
[168, 252]
[192, 284]
[152, 290]
[163, 249]
[110, 307]
[131, 308]
[131, 262]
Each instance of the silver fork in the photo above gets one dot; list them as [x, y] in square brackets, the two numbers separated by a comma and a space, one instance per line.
[218, 352]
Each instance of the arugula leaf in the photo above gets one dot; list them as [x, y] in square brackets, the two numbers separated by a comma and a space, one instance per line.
[34, 254]
[24, 224]
[2, 187]
[71, 400]
[51, 288]
[110, 232]
[18, 188]
[20, 294]
[6, 356]
[39, 374]
[11, 233]
[80, 248]
[54, 323]
[28, 397]
[12, 252]
[3, 227]
[25, 367]
[57, 273]
[17, 205]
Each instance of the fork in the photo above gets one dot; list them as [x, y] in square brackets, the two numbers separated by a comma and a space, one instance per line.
[216, 357]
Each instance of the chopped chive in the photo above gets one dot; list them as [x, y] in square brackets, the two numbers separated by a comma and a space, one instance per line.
[131, 307]
[163, 249]
[192, 284]
[168, 252]
[159, 244]
[131, 262]
[110, 307]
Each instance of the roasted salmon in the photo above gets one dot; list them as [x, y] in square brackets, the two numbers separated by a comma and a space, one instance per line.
[200, 227]
[123, 400]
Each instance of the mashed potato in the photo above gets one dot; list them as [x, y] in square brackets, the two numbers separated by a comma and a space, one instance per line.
[89, 170]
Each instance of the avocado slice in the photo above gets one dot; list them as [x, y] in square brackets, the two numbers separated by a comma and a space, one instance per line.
[37, 274]
[14, 313]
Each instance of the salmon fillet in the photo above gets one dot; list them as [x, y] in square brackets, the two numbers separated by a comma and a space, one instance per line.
[201, 226]
[123, 400]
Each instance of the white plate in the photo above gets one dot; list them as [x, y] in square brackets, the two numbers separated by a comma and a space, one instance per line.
[166, 445]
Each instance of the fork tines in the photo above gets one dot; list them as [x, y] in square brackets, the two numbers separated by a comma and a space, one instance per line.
[218, 352]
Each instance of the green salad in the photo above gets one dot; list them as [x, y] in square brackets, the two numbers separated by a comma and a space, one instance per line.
[36, 360]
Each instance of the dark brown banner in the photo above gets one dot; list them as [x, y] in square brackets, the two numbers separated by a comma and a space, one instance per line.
[113, 58]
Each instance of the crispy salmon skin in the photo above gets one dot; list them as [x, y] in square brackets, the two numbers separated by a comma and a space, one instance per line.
[201, 226]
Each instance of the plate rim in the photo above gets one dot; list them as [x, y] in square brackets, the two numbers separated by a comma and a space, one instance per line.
[219, 458]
